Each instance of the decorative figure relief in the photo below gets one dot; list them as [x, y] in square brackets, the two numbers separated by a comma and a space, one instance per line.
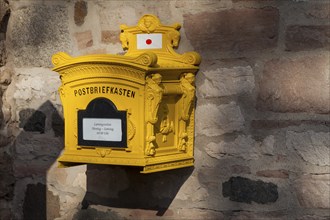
[123, 37]
[131, 129]
[188, 89]
[148, 23]
[174, 37]
[154, 94]
[103, 152]
[166, 126]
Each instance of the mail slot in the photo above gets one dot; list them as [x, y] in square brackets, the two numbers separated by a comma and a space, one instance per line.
[135, 109]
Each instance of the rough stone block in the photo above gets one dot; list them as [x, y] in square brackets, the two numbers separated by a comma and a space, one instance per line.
[4, 9]
[213, 120]
[242, 189]
[34, 206]
[283, 174]
[30, 88]
[110, 37]
[295, 85]
[84, 39]
[312, 147]
[239, 169]
[313, 191]
[32, 120]
[300, 38]
[226, 31]
[319, 10]
[36, 32]
[80, 12]
[258, 215]
[243, 146]
[227, 81]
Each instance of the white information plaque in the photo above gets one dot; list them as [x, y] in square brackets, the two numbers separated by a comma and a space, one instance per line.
[149, 41]
[102, 129]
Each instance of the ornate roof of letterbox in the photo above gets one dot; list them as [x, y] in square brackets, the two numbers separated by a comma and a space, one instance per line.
[149, 48]
[151, 35]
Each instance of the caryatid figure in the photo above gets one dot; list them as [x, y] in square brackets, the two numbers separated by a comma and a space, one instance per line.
[154, 95]
[188, 90]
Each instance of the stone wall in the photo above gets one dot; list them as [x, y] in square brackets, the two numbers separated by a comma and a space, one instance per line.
[262, 114]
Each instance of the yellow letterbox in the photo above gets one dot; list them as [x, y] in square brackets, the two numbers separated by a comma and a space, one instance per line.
[135, 109]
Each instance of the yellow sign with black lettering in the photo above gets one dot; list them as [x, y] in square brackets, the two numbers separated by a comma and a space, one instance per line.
[135, 109]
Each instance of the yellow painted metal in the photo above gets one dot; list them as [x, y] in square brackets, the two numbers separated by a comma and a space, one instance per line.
[153, 87]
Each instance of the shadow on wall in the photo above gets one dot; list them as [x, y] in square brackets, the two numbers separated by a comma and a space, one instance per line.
[41, 143]
[126, 187]
[36, 149]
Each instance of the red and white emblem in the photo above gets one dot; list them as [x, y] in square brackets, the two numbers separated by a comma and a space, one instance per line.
[149, 41]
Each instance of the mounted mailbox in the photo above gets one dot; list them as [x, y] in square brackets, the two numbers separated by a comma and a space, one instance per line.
[135, 109]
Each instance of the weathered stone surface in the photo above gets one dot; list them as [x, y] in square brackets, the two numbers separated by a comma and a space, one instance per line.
[257, 215]
[239, 169]
[58, 124]
[227, 81]
[92, 213]
[225, 31]
[2, 53]
[193, 191]
[6, 175]
[283, 174]
[274, 124]
[311, 146]
[213, 120]
[300, 38]
[34, 88]
[32, 120]
[313, 217]
[36, 32]
[110, 37]
[123, 12]
[4, 7]
[80, 12]
[32, 144]
[4, 17]
[5, 212]
[84, 39]
[53, 205]
[319, 10]
[313, 191]
[243, 146]
[241, 189]
[34, 206]
[295, 85]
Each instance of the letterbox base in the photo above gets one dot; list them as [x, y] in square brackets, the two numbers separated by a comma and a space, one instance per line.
[151, 167]
[168, 166]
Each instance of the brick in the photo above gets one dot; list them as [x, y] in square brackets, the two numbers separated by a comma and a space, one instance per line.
[283, 174]
[295, 85]
[110, 37]
[80, 12]
[300, 38]
[84, 39]
[226, 31]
